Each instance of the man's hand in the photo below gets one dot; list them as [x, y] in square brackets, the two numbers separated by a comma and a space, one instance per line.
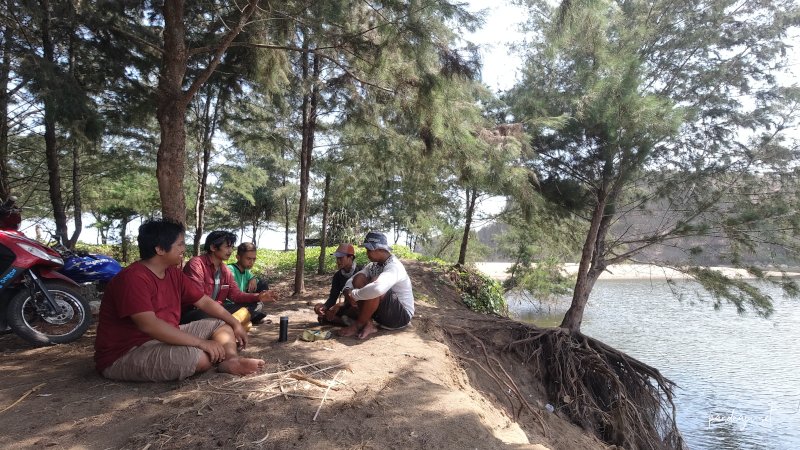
[319, 308]
[252, 284]
[241, 335]
[348, 297]
[215, 350]
[267, 296]
[330, 314]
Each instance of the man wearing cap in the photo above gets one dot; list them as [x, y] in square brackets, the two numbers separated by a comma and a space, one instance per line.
[381, 291]
[331, 311]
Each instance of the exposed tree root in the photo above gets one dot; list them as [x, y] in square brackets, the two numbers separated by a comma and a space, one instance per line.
[505, 382]
[622, 400]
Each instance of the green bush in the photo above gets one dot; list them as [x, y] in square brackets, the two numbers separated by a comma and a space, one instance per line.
[278, 262]
[479, 292]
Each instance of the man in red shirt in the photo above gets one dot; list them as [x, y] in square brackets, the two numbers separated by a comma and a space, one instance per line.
[138, 336]
[215, 279]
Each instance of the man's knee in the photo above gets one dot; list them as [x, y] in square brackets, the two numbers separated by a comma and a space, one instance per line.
[223, 329]
[360, 280]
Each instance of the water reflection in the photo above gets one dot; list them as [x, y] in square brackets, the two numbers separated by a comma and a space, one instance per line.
[738, 376]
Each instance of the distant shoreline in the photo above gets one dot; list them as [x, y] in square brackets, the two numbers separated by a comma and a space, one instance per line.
[497, 271]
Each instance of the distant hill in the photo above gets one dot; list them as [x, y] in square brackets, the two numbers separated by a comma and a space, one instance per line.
[713, 249]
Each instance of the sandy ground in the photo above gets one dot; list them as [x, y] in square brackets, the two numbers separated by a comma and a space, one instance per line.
[497, 270]
[397, 390]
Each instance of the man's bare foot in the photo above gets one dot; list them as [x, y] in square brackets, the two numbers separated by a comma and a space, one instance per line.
[241, 366]
[368, 329]
[352, 330]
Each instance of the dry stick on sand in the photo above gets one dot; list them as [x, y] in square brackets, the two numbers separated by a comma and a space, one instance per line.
[27, 393]
[325, 395]
[273, 374]
[301, 377]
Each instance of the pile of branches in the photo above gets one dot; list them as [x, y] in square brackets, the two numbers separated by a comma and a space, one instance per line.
[621, 400]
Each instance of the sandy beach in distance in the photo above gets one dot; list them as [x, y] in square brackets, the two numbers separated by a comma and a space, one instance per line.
[497, 270]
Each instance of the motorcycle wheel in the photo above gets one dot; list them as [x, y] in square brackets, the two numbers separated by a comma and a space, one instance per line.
[68, 324]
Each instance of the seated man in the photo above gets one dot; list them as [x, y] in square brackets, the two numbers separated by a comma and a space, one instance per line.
[386, 295]
[138, 336]
[331, 311]
[212, 275]
[246, 256]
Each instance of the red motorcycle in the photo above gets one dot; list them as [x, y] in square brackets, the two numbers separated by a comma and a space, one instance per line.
[37, 302]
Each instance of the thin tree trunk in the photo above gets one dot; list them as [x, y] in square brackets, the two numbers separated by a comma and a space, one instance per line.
[285, 221]
[324, 235]
[209, 130]
[76, 155]
[472, 197]
[589, 269]
[286, 218]
[123, 234]
[306, 149]
[51, 150]
[5, 70]
[76, 195]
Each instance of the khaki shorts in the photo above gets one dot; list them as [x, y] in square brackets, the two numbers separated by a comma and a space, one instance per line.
[157, 361]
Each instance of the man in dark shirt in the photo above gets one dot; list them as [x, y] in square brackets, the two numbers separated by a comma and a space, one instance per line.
[331, 311]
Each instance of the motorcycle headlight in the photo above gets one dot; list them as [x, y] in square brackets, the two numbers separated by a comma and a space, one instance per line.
[39, 253]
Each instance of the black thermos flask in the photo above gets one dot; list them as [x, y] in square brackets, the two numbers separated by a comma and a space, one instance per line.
[284, 331]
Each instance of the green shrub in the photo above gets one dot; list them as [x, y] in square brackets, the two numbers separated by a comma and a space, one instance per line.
[278, 262]
[479, 292]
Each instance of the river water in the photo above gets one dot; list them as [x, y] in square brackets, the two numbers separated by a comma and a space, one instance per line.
[738, 376]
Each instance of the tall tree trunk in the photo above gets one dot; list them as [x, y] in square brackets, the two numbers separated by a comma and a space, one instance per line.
[306, 150]
[51, 150]
[77, 204]
[209, 130]
[286, 221]
[324, 234]
[5, 70]
[472, 197]
[286, 218]
[589, 269]
[171, 114]
[172, 103]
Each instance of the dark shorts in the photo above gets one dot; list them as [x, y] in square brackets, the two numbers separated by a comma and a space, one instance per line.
[391, 314]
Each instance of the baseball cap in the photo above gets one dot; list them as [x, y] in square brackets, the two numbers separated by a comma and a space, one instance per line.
[344, 250]
[375, 241]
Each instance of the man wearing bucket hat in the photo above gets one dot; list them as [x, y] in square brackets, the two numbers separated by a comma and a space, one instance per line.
[381, 291]
[331, 311]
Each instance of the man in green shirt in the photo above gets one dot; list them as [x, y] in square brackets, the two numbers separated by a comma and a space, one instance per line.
[245, 259]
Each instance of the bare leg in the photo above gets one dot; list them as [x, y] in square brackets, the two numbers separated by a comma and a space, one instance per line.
[367, 330]
[366, 308]
[234, 363]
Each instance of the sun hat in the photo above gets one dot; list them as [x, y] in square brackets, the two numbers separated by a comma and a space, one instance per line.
[376, 241]
[344, 250]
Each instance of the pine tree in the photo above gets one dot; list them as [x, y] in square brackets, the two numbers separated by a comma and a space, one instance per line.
[638, 106]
